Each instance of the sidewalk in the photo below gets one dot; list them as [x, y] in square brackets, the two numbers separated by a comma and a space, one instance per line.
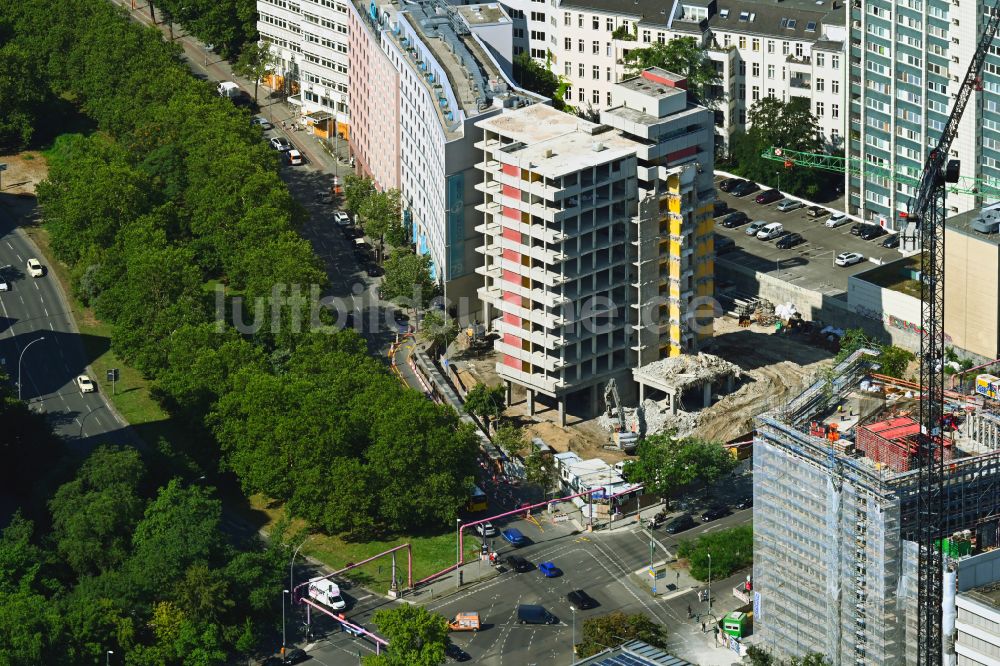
[201, 61]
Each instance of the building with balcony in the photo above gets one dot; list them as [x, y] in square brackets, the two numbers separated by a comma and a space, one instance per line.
[309, 40]
[791, 49]
[421, 75]
[597, 238]
[907, 59]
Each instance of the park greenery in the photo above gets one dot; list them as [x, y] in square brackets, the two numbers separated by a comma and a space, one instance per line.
[541, 80]
[667, 464]
[788, 125]
[486, 402]
[731, 550]
[418, 637]
[174, 224]
[893, 361]
[683, 56]
[616, 628]
[228, 25]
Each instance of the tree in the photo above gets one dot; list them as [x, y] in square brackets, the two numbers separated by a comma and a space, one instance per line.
[23, 92]
[486, 402]
[418, 637]
[893, 361]
[540, 80]
[761, 657]
[616, 628]
[540, 470]
[408, 280]
[256, 62]
[93, 516]
[438, 329]
[357, 191]
[681, 55]
[666, 463]
[510, 439]
[381, 217]
[731, 550]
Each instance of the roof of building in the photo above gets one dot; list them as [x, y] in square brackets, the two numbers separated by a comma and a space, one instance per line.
[649, 83]
[554, 143]
[750, 16]
[893, 429]
[485, 14]
[828, 45]
[988, 594]
[962, 223]
[633, 653]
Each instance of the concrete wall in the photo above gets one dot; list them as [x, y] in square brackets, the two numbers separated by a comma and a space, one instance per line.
[896, 312]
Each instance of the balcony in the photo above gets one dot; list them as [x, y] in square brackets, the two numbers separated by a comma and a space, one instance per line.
[801, 82]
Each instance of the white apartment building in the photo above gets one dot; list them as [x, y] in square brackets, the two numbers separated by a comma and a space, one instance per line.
[792, 48]
[597, 240]
[447, 79]
[309, 38]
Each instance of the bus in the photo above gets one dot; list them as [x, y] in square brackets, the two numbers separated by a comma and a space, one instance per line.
[477, 500]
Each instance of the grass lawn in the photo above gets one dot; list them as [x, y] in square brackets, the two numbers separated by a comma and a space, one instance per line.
[430, 553]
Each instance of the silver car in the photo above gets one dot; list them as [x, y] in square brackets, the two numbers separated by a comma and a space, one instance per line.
[786, 205]
[755, 226]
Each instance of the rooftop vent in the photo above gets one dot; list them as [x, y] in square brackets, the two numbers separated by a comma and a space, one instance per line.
[547, 153]
[598, 146]
[744, 16]
[753, 17]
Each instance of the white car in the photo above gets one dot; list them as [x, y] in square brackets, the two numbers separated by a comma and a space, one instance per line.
[786, 205]
[85, 385]
[295, 157]
[280, 143]
[837, 220]
[3, 285]
[261, 122]
[849, 258]
[342, 218]
[486, 529]
[35, 268]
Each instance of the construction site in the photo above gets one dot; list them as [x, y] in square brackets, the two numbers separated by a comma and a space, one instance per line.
[836, 489]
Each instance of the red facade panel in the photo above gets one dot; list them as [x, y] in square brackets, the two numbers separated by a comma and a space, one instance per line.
[682, 153]
[511, 170]
[511, 361]
[512, 192]
[512, 213]
[666, 81]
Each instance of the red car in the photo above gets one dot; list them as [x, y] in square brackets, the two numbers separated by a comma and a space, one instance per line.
[769, 196]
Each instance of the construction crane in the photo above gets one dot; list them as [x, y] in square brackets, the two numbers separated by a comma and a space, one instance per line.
[925, 220]
[984, 187]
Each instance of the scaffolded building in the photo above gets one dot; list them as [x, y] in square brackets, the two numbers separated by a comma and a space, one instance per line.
[835, 564]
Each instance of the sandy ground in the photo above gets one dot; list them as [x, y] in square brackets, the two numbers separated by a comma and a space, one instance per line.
[24, 171]
[775, 368]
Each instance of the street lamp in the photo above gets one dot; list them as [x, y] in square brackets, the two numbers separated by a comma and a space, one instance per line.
[107, 657]
[283, 593]
[458, 550]
[19, 364]
[291, 563]
[709, 583]
[573, 610]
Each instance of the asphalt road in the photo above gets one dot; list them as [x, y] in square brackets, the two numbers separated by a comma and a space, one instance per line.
[809, 264]
[35, 310]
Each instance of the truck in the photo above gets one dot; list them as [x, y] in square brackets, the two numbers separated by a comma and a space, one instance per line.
[327, 593]
[229, 89]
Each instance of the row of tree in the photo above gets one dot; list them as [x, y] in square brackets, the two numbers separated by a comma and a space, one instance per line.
[177, 199]
[112, 554]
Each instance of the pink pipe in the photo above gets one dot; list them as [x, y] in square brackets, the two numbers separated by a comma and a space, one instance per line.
[409, 567]
[378, 641]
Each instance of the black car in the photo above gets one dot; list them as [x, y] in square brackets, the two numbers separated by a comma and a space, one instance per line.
[744, 503]
[580, 600]
[679, 524]
[729, 183]
[534, 614]
[714, 513]
[891, 242]
[769, 196]
[858, 228]
[744, 189]
[872, 231]
[734, 220]
[724, 244]
[456, 653]
[374, 270]
[518, 563]
[292, 656]
[789, 240]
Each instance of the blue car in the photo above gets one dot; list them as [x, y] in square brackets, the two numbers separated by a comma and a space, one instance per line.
[549, 570]
[514, 537]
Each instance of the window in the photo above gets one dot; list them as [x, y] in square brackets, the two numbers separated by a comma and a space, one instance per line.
[743, 92]
[743, 117]
[579, 20]
[834, 110]
[770, 92]
[811, 26]
[595, 23]
[538, 34]
[755, 91]
[755, 44]
[596, 97]
[646, 37]
[579, 45]
[798, 49]
[538, 53]
[581, 95]
[582, 69]
[743, 68]
[518, 50]
[661, 38]
[609, 75]
[567, 18]
[770, 71]
[596, 71]
[610, 25]
[755, 69]
[518, 33]
[820, 59]
[770, 46]
[727, 40]
[609, 98]
[820, 84]
[742, 42]
[607, 49]
[784, 48]
[819, 109]
[835, 61]
[537, 16]
[596, 48]
[835, 87]
[569, 68]
[568, 44]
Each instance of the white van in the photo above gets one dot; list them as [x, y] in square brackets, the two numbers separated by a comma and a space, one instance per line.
[327, 593]
[228, 89]
[770, 231]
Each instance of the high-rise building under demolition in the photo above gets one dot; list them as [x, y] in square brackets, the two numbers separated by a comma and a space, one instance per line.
[835, 502]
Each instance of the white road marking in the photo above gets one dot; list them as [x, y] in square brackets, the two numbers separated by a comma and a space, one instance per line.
[709, 529]
[46, 312]
[52, 328]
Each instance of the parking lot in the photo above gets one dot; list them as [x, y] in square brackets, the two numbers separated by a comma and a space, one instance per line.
[809, 264]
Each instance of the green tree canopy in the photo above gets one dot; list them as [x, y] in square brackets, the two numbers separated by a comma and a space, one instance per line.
[616, 628]
[893, 361]
[256, 62]
[408, 280]
[438, 329]
[666, 463]
[486, 402]
[731, 551]
[418, 637]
